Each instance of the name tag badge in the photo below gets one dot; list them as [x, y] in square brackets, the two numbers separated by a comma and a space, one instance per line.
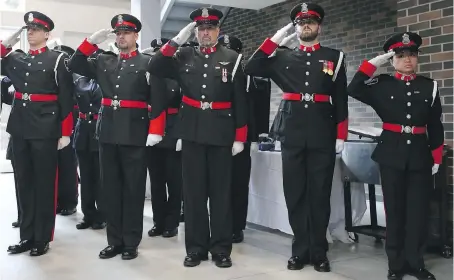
[224, 75]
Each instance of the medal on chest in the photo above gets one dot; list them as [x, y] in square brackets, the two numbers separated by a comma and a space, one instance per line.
[224, 75]
[328, 67]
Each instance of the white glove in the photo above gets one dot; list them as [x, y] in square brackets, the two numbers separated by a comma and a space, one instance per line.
[99, 36]
[281, 33]
[237, 148]
[339, 146]
[254, 147]
[184, 34]
[435, 168]
[178, 147]
[287, 42]
[381, 59]
[63, 142]
[153, 139]
[13, 38]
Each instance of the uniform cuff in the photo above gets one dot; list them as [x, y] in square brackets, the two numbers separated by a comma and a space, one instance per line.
[168, 50]
[87, 48]
[437, 154]
[241, 134]
[157, 126]
[67, 125]
[367, 68]
[342, 130]
[4, 50]
[268, 46]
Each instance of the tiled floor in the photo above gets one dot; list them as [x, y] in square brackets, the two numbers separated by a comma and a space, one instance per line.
[263, 255]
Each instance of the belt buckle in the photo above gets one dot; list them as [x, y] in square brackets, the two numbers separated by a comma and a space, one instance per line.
[206, 105]
[115, 104]
[26, 96]
[307, 97]
[407, 129]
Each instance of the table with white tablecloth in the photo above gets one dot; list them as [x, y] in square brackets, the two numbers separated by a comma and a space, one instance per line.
[267, 202]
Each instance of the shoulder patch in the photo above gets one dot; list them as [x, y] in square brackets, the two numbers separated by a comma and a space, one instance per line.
[371, 81]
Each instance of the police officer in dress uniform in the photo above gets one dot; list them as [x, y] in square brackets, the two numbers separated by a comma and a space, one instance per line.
[409, 150]
[312, 127]
[67, 167]
[164, 159]
[241, 163]
[212, 125]
[88, 95]
[122, 129]
[40, 123]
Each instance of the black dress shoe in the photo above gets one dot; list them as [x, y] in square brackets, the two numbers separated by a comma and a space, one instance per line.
[222, 260]
[168, 233]
[322, 266]
[155, 231]
[68, 212]
[238, 237]
[16, 224]
[394, 275]
[39, 249]
[23, 246]
[129, 253]
[83, 225]
[98, 225]
[421, 274]
[296, 263]
[110, 252]
[194, 259]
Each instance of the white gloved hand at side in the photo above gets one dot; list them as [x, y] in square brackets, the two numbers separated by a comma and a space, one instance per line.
[184, 34]
[281, 33]
[99, 36]
[179, 145]
[153, 139]
[254, 147]
[11, 40]
[339, 146]
[287, 42]
[63, 142]
[237, 148]
[435, 168]
[381, 59]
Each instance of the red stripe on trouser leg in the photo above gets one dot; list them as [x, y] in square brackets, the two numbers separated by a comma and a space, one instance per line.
[55, 203]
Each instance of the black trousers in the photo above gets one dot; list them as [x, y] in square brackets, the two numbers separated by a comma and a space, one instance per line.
[406, 198]
[19, 211]
[307, 178]
[36, 169]
[90, 186]
[67, 179]
[164, 166]
[241, 172]
[207, 175]
[123, 180]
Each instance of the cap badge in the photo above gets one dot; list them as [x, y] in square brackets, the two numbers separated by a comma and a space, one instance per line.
[120, 19]
[405, 39]
[30, 17]
[226, 39]
[304, 8]
[205, 13]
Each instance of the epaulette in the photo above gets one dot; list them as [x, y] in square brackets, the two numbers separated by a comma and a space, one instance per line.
[18, 50]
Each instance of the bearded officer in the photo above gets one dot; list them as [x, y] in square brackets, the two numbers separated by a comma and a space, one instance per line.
[122, 130]
[312, 127]
[40, 124]
[409, 151]
[212, 125]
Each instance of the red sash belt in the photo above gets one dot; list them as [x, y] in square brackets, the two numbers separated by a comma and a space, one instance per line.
[124, 103]
[88, 116]
[170, 111]
[404, 129]
[206, 105]
[38, 97]
[316, 97]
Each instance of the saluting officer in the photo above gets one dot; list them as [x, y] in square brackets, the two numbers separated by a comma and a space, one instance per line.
[241, 163]
[164, 159]
[40, 123]
[122, 130]
[212, 125]
[409, 150]
[312, 127]
[88, 95]
[67, 167]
